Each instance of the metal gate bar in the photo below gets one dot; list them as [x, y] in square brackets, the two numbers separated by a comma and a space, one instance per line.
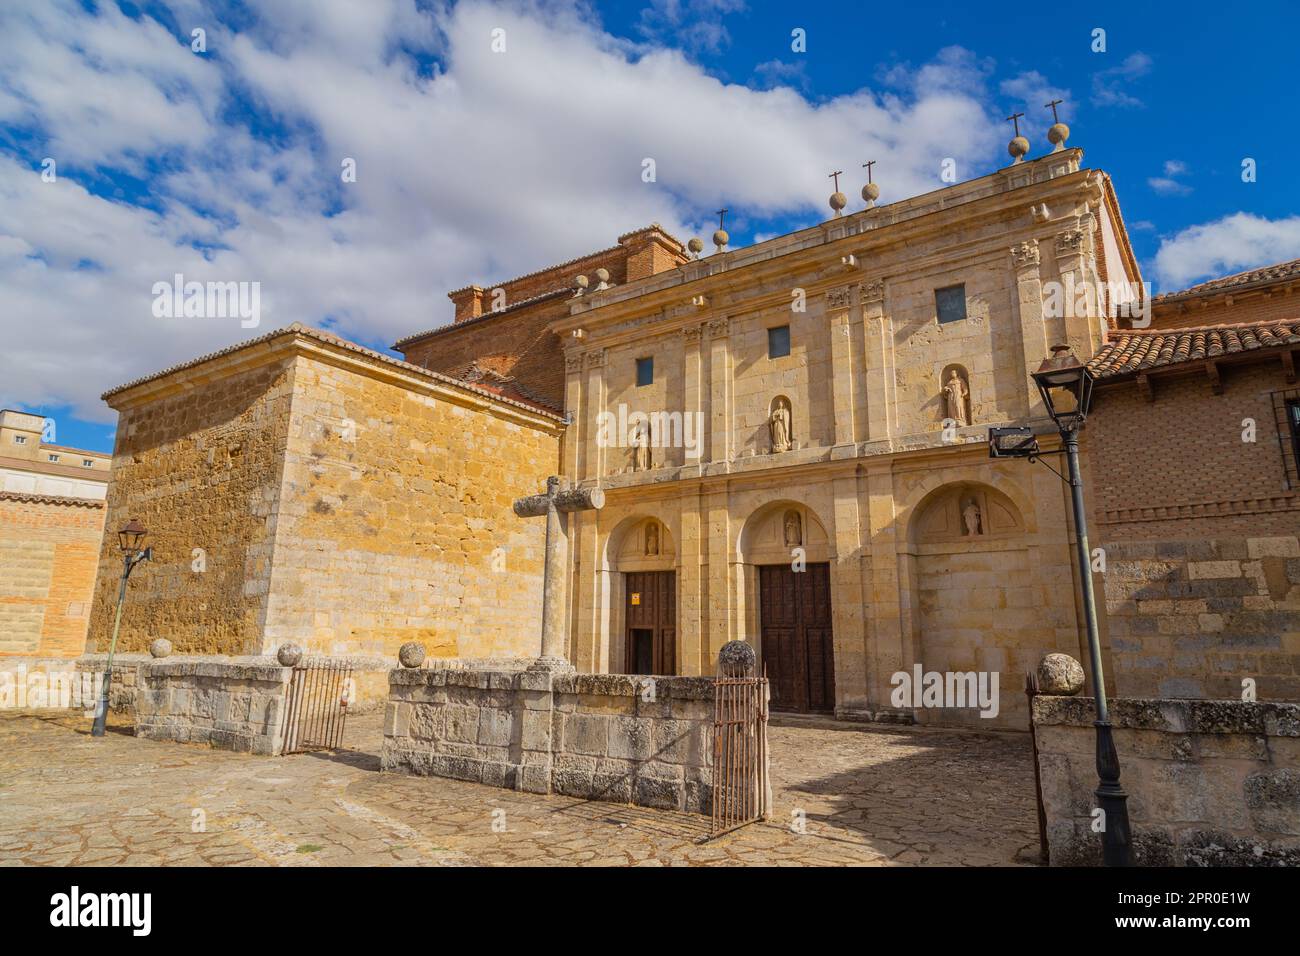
[317, 709]
[739, 752]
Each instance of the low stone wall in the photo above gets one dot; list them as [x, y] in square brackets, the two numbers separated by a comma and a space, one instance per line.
[225, 704]
[125, 682]
[596, 736]
[1210, 782]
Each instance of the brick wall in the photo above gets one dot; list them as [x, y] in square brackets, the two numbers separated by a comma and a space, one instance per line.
[1217, 310]
[1202, 583]
[48, 553]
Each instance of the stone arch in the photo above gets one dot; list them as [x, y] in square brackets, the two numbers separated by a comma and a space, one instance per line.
[977, 597]
[762, 537]
[626, 553]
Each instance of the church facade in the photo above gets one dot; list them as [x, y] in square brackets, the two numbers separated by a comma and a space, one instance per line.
[792, 443]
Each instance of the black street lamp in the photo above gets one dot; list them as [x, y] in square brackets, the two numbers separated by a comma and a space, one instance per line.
[1066, 385]
[129, 539]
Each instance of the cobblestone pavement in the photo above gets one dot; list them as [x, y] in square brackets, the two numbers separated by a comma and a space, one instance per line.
[869, 796]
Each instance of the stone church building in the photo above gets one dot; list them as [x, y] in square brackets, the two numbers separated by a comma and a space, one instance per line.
[791, 440]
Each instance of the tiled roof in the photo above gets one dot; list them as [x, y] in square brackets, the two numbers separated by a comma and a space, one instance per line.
[50, 499]
[308, 332]
[1136, 350]
[1273, 273]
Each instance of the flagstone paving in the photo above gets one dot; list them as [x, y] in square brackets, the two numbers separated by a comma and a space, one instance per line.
[843, 794]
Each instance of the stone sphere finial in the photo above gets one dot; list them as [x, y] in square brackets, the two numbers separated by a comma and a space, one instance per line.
[696, 246]
[411, 654]
[289, 655]
[838, 201]
[1057, 136]
[602, 276]
[1060, 675]
[870, 193]
[1018, 148]
[160, 647]
[581, 282]
[736, 659]
[720, 239]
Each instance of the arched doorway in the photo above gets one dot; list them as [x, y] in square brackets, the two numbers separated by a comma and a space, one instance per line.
[644, 633]
[786, 556]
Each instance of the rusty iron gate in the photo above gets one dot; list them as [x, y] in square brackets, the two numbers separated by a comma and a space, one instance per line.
[317, 707]
[740, 784]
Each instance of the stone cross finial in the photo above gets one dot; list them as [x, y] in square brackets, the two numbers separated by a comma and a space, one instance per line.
[556, 501]
[867, 167]
[1052, 106]
[1015, 120]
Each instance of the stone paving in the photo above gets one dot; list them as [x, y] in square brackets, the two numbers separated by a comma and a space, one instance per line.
[866, 795]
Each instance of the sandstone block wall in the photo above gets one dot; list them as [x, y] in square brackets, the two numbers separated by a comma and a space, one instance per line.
[49, 549]
[1210, 782]
[583, 735]
[228, 705]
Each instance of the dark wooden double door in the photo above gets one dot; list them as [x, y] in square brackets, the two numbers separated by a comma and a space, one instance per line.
[795, 620]
[650, 616]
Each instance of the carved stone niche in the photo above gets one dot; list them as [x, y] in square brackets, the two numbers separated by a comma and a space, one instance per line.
[967, 513]
[646, 546]
[780, 421]
[770, 538]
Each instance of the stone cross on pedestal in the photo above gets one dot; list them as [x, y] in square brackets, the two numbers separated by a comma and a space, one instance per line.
[556, 501]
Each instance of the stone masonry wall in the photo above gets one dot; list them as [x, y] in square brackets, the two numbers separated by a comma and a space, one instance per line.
[201, 469]
[583, 735]
[228, 705]
[49, 550]
[1194, 618]
[395, 522]
[1210, 782]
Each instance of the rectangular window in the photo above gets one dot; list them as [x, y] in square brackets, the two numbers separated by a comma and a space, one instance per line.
[950, 303]
[1293, 416]
[778, 342]
[20, 439]
[645, 371]
[87, 463]
[53, 457]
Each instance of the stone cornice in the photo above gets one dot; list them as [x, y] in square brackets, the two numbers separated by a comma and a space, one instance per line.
[1006, 192]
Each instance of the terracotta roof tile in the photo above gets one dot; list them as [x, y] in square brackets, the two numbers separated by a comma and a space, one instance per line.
[1136, 350]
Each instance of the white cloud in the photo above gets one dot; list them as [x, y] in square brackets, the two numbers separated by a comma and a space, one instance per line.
[1232, 244]
[1109, 85]
[489, 166]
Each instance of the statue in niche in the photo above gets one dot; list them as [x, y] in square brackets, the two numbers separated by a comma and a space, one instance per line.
[652, 538]
[641, 447]
[955, 394]
[971, 518]
[778, 425]
[793, 530]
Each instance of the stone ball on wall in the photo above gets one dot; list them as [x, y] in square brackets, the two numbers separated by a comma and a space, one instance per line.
[1059, 133]
[289, 655]
[838, 201]
[871, 192]
[411, 654]
[720, 237]
[1060, 675]
[160, 647]
[1019, 146]
[696, 246]
[737, 659]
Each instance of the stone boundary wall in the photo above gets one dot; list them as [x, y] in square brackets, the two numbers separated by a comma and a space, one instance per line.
[227, 705]
[1210, 782]
[593, 736]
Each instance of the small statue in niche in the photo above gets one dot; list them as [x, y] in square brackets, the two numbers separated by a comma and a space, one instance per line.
[652, 538]
[778, 425]
[793, 530]
[641, 448]
[971, 518]
[955, 394]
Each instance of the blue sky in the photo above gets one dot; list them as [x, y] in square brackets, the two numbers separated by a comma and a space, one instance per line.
[476, 164]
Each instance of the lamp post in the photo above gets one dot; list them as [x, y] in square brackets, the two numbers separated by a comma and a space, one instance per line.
[129, 539]
[1066, 386]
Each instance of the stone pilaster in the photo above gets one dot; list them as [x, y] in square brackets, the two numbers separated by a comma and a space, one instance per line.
[595, 394]
[719, 390]
[843, 374]
[878, 334]
[573, 453]
[693, 397]
[1029, 313]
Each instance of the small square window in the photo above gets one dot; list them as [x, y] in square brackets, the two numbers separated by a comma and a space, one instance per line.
[87, 463]
[645, 371]
[53, 457]
[950, 303]
[778, 342]
[20, 439]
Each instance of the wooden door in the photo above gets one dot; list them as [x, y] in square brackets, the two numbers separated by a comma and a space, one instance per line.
[651, 622]
[795, 623]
